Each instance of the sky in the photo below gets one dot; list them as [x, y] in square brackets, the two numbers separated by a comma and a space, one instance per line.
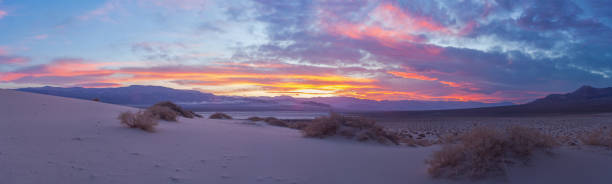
[438, 50]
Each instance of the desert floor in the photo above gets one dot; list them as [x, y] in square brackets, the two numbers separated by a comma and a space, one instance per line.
[46, 139]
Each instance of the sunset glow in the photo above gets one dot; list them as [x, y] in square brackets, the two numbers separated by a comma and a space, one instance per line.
[484, 51]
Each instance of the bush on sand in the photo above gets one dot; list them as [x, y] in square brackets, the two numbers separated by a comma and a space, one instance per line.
[163, 113]
[350, 127]
[219, 115]
[275, 122]
[599, 137]
[485, 152]
[143, 120]
[270, 121]
[179, 110]
[255, 118]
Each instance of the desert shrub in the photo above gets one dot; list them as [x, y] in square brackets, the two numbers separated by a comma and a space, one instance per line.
[298, 125]
[179, 110]
[255, 118]
[321, 127]
[523, 141]
[449, 161]
[598, 138]
[350, 127]
[450, 138]
[219, 115]
[408, 141]
[143, 120]
[485, 151]
[270, 121]
[163, 113]
[275, 122]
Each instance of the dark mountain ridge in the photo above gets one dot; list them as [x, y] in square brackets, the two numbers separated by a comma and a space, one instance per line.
[585, 100]
[142, 96]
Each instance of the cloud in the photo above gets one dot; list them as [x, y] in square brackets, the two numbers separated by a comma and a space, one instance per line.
[3, 14]
[103, 13]
[13, 60]
[479, 49]
[492, 50]
[40, 37]
[234, 78]
[6, 58]
[110, 10]
[290, 79]
[179, 4]
[174, 52]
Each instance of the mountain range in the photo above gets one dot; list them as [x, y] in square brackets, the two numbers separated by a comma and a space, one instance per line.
[585, 100]
[142, 96]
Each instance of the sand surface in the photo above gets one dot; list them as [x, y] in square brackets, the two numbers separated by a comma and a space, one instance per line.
[46, 139]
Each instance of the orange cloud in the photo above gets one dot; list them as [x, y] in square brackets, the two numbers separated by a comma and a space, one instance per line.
[237, 79]
[460, 96]
[426, 78]
[412, 76]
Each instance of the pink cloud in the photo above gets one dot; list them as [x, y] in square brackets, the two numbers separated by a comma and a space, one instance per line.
[180, 4]
[263, 78]
[40, 37]
[5, 58]
[13, 60]
[2, 14]
[388, 24]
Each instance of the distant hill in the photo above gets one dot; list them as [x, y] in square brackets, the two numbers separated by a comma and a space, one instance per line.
[142, 96]
[354, 104]
[583, 95]
[584, 100]
[132, 95]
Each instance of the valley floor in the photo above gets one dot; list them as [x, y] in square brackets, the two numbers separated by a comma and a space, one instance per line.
[46, 139]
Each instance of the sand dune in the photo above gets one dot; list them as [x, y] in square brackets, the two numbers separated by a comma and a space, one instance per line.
[47, 139]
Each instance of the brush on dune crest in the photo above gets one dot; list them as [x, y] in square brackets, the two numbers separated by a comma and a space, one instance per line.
[600, 137]
[275, 122]
[219, 115]
[143, 120]
[163, 113]
[486, 152]
[281, 123]
[270, 121]
[350, 127]
[179, 110]
[255, 118]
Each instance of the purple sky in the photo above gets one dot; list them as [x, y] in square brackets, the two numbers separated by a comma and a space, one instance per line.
[472, 50]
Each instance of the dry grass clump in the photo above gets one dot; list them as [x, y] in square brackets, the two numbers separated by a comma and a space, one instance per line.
[270, 121]
[298, 125]
[522, 141]
[408, 141]
[275, 122]
[163, 113]
[179, 110]
[219, 115]
[255, 118]
[143, 120]
[485, 151]
[350, 127]
[598, 138]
